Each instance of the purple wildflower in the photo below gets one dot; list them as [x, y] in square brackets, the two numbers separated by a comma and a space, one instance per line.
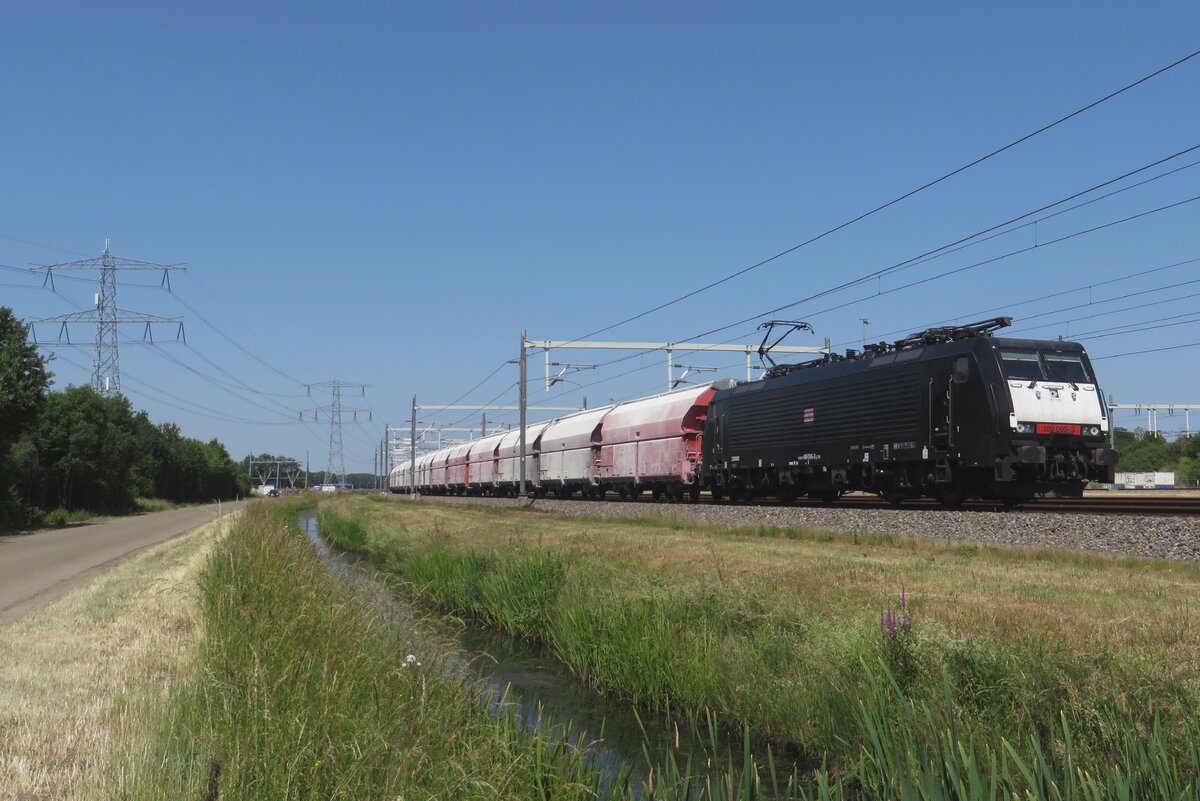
[892, 623]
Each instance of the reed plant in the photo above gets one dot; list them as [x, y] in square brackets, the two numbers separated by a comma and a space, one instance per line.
[347, 531]
[907, 755]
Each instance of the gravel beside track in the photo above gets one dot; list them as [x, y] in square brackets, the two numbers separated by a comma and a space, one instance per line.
[1155, 537]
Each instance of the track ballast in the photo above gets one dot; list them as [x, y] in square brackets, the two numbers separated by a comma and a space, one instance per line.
[1155, 528]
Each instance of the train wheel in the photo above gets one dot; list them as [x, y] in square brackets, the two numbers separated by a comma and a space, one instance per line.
[786, 494]
[950, 495]
[827, 495]
[635, 492]
[656, 493]
[599, 492]
[694, 492]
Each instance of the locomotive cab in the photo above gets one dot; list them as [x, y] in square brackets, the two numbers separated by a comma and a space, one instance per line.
[1058, 423]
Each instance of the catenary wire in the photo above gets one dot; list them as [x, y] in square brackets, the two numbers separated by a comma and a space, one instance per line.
[988, 234]
[1109, 312]
[954, 271]
[1143, 325]
[929, 255]
[1016, 304]
[1148, 350]
[943, 274]
[894, 201]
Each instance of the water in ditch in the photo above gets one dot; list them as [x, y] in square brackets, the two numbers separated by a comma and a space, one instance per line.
[523, 680]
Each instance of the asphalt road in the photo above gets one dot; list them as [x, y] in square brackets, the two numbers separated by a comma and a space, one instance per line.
[37, 568]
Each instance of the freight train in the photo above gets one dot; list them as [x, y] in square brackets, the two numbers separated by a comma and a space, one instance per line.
[951, 413]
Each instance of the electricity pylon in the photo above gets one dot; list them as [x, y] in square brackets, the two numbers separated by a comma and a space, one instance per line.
[106, 369]
[337, 454]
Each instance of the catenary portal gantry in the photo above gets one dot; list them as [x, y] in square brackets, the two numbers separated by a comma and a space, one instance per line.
[547, 345]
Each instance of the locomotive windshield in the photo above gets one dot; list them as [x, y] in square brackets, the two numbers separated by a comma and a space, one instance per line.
[1022, 364]
[1066, 367]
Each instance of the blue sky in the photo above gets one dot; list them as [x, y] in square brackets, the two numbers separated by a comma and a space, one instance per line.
[387, 193]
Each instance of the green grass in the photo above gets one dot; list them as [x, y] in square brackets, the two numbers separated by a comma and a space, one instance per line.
[303, 692]
[61, 518]
[348, 532]
[773, 633]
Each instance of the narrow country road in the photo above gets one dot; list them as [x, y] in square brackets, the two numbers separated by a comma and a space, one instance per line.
[37, 568]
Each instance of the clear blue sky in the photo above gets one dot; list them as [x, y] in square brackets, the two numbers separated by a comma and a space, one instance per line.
[387, 193]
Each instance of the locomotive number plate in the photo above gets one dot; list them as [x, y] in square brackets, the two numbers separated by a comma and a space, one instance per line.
[1058, 428]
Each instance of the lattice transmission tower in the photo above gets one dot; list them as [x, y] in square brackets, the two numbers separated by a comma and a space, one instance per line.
[334, 410]
[106, 316]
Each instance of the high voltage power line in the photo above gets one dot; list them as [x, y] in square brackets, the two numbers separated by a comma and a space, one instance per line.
[162, 396]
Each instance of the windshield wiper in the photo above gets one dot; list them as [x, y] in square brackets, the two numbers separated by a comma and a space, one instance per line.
[1074, 386]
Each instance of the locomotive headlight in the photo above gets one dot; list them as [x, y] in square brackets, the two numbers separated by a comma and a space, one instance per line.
[1093, 431]
[1024, 428]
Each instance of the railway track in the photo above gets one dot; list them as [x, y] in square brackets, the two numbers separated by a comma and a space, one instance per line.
[1090, 504]
[1113, 524]
[1093, 504]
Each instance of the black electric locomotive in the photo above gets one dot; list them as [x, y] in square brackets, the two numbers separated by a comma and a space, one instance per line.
[952, 413]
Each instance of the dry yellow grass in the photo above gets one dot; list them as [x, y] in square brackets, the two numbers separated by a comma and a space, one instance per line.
[74, 674]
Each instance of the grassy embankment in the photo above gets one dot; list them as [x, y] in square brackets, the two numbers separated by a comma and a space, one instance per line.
[79, 677]
[304, 690]
[1071, 661]
[64, 518]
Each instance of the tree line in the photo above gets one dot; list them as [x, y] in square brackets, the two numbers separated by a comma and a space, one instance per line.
[288, 472]
[72, 450]
[1144, 452]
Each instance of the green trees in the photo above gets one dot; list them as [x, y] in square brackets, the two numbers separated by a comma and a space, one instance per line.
[1142, 452]
[74, 450]
[87, 452]
[23, 381]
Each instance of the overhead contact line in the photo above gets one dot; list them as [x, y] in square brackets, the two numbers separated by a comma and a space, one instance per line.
[896, 200]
